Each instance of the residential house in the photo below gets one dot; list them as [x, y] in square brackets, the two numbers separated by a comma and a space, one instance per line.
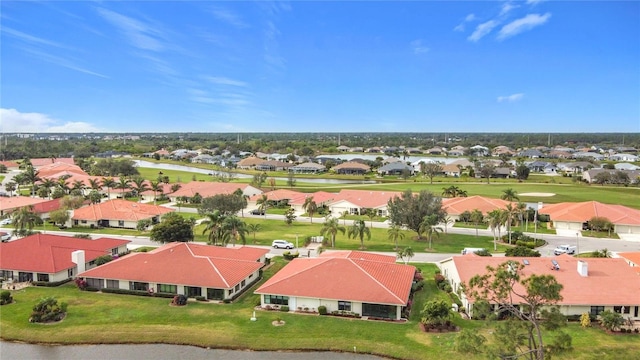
[537, 166]
[357, 201]
[308, 168]
[10, 204]
[590, 175]
[479, 150]
[274, 165]
[343, 148]
[10, 165]
[40, 162]
[574, 216]
[624, 157]
[631, 258]
[626, 167]
[588, 155]
[502, 150]
[55, 170]
[451, 170]
[617, 284]
[250, 162]
[575, 167]
[352, 168]
[558, 154]
[395, 168]
[456, 206]
[213, 272]
[204, 159]
[117, 214]
[49, 258]
[371, 285]
[435, 151]
[208, 189]
[280, 197]
[321, 198]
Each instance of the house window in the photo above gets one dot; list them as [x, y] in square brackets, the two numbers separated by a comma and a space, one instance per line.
[70, 273]
[83, 221]
[120, 223]
[237, 287]
[192, 291]
[379, 311]
[170, 289]
[596, 310]
[622, 309]
[215, 294]
[114, 251]
[6, 274]
[95, 283]
[113, 284]
[276, 300]
[43, 277]
[344, 305]
[25, 276]
[141, 286]
[92, 262]
[242, 283]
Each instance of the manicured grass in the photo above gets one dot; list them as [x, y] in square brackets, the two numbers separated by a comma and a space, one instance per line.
[174, 175]
[600, 234]
[114, 318]
[276, 229]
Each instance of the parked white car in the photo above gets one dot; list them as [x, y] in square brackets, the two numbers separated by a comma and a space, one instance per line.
[281, 244]
[6, 221]
[565, 249]
[4, 237]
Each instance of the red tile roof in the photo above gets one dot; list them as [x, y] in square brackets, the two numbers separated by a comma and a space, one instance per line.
[343, 278]
[360, 255]
[207, 188]
[47, 206]
[58, 169]
[458, 205]
[190, 264]
[281, 194]
[366, 199]
[609, 281]
[45, 161]
[16, 202]
[9, 164]
[320, 197]
[119, 210]
[48, 253]
[583, 211]
[633, 258]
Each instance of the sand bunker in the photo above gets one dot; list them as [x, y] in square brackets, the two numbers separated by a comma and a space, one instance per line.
[538, 194]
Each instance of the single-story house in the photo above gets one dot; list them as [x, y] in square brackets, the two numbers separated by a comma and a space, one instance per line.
[588, 154]
[531, 153]
[208, 189]
[573, 216]
[40, 162]
[590, 175]
[117, 213]
[10, 165]
[456, 206]
[624, 157]
[46, 257]
[214, 272]
[250, 162]
[308, 168]
[371, 285]
[451, 170]
[395, 168]
[55, 170]
[355, 202]
[626, 166]
[273, 165]
[321, 198]
[10, 204]
[280, 197]
[352, 168]
[617, 284]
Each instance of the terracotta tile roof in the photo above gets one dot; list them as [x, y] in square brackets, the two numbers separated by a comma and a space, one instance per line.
[632, 258]
[341, 278]
[366, 199]
[320, 197]
[73, 177]
[10, 164]
[119, 210]
[16, 202]
[190, 264]
[47, 206]
[583, 211]
[251, 161]
[48, 253]
[47, 161]
[360, 255]
[207, 188]
[280, 194]
[458, 205]
[352, 165]
[609, 281]
[60, 168]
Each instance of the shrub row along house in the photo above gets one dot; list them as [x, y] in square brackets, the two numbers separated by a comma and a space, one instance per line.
[50, 258]
[370, 285]
[193, 270]
[590, 285]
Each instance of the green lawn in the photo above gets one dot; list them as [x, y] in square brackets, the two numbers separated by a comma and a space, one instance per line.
[113, 318]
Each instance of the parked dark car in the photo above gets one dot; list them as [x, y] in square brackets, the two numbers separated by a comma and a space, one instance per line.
[257, 212]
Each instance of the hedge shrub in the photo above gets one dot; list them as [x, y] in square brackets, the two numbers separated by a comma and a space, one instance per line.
[50, 283]
[322, 310]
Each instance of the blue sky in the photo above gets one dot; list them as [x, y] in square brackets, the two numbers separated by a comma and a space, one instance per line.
[423, 66]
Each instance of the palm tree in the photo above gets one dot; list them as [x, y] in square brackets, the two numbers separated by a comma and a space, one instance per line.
[521, 209]
[109, 183]
[453, 191]
[94, 184]
[236, 228]
[213, 225]
[25, 217]
[263, 204]
[405, 254]
[175, 187]
[31, 177]
[476, 219]
[123, 184]
[140, 186]
[240, 194]
[395, 233]
[331, 227]
[509, 195]
[254, 228]
[310, 207]
[371, 213]
[78, 185]
[11, 186]
[428, 226]
[447, 221]
[496, 221]
[48, 183]
[62, 184]
[344, 215]
[359, 229]
[156, 186]
[511, 211]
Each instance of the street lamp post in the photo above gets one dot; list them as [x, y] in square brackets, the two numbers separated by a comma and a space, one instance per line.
[296, 241]
[577, 243]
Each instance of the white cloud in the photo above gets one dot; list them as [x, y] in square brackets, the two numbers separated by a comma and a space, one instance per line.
[30, 38]
[523, 24]
[507, 7]
[468, 18]
[482, 30]
[13, 121]
[60, 61]
[229, 17]
[534, 2]
[418, 47]
[139, 34]
[226, 81]
[511, 98]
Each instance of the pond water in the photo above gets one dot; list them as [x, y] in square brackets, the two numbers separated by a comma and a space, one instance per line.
[19, 351]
